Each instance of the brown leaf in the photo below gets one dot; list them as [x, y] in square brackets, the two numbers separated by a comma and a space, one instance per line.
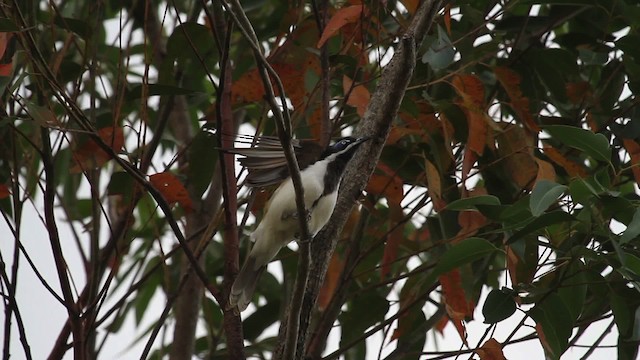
[411, 5]
[510, 81]
[171, 189]
[579, 92]
[434, 185]
[331, 280]
[572, 168]
[515, 146]
[471, 90]
[4, 191]
[491, 350]
[543, 339]
[389, 185]
[455, 299]
[358, 95]
[470, 222]
[346, 15]
[545, 171]
[447, 18]
[89, 155]
[633, 148]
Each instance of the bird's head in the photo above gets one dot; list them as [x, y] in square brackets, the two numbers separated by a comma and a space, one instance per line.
[345, 147]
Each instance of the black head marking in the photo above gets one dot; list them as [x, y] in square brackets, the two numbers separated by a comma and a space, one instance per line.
[344, 148]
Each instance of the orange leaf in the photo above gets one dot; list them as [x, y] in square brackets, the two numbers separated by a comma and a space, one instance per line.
[358, 95]
[633, 148]
[89, 155]
[455, 299]
[171, 189]
[346, 15]
[4, 191]
[491, 350]
[572, 168]
[331, 280]
[510, 80]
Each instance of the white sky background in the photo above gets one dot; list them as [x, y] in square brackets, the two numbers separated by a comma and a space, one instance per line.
[44, 316]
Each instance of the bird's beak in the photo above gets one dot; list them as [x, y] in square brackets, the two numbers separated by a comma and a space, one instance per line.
[362, 139]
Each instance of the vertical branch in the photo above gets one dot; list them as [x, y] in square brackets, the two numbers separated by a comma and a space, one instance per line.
[283, 124]
[79, 350]
[224, 116]
[382, 110]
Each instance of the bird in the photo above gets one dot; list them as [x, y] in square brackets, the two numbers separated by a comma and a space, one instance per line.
[320, 172]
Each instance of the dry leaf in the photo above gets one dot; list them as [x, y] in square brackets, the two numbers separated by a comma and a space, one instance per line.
[358, 96]
[171, 189]
[491, 350]
[510, 81]
[346, 15]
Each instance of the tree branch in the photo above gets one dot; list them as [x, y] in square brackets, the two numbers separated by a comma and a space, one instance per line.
[383, 106]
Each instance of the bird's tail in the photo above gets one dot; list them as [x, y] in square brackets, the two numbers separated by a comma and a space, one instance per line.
[245, 284]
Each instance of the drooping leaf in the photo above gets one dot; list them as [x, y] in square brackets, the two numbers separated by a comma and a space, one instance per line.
[498, 306]
[553, 315]
[491, 350]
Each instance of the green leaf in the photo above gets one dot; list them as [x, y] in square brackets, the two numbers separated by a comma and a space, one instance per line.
[203, 157]
[7, 25]
[633, 229]
[471, 202]
[595, 145]
[544, 194]
[464, 252]
[264, 317]
[554, 217]
[441, 52]
[498, 306]
[121, 183]
[555, 318]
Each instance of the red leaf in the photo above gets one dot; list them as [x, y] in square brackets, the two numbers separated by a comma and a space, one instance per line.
[358, 95]
[491, 350]
[346, 15]
[470, 222]
[471, 90]
[4, 191]
[171, 189]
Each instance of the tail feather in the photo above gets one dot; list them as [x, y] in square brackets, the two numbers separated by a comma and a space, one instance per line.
[245, 284]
